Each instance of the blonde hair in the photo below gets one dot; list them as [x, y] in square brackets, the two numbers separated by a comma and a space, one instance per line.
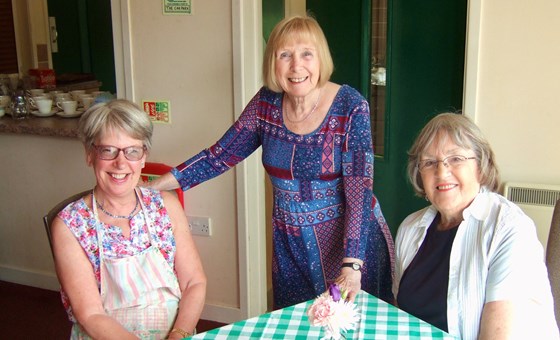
[296, 29]
[463, 132]
[118, 114]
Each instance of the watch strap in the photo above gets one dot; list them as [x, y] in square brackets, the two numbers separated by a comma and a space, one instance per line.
[354, 265]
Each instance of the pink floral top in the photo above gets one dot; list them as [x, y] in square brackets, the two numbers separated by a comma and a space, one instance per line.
[81, 221]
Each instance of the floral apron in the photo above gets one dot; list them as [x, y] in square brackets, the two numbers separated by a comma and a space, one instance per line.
[141, 291]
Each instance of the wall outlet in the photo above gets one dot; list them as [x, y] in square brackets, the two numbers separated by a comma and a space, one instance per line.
[200, 225]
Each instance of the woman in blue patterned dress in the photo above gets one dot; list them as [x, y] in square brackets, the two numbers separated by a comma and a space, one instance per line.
[317, 150]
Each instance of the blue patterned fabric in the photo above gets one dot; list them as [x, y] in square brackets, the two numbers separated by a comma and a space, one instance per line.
[324, 206]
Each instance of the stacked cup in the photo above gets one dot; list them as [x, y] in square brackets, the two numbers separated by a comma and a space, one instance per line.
[44, 105]
[68, 106]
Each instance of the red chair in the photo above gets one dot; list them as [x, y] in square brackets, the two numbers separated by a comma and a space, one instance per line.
[155, 170]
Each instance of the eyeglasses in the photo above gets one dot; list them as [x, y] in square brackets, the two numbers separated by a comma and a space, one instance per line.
[109, 152]
[454, 161]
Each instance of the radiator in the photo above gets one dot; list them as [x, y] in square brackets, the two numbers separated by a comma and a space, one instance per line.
[537, 201]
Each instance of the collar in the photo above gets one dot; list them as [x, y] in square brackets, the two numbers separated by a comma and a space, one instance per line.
[479, 209]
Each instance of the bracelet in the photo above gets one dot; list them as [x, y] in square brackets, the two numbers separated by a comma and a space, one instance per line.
[182, 332]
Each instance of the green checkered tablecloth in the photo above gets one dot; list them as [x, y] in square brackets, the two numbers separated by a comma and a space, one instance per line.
[379, 320]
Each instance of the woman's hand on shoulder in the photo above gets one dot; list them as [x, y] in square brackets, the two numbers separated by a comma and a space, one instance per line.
[165, 182]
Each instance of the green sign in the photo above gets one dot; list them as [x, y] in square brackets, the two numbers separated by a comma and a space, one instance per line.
[177, 7]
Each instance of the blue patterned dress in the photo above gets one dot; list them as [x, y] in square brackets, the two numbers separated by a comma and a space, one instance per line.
[324, 206]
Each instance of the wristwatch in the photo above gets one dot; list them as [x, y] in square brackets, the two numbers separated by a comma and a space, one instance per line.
[353, 265]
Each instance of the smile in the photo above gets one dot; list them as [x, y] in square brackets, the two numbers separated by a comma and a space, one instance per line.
[118, 176]
[297, 80]
[446, 187]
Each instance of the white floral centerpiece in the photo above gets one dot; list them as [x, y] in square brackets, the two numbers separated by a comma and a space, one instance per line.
[331, 311]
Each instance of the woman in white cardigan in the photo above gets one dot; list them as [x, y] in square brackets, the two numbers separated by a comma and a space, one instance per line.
[470, 263]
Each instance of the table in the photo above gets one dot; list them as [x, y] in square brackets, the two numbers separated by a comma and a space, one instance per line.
[379, 320]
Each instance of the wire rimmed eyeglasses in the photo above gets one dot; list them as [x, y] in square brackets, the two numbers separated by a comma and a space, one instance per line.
[109, 152]
[453, 161]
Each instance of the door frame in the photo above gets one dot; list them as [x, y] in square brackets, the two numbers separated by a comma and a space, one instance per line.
[472, 56]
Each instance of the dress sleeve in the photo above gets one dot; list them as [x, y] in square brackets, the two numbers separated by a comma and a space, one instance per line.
[357, 170]
[239, 141]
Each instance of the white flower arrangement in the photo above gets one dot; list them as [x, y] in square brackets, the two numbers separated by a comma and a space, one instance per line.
[331, 311]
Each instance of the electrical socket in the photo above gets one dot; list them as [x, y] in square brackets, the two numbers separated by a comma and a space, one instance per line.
[200, 225]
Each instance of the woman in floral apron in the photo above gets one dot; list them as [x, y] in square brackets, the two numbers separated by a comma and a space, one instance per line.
[126, 261]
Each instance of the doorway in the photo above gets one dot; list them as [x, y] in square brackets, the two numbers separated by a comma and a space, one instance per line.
[424, 76]
[84, 39]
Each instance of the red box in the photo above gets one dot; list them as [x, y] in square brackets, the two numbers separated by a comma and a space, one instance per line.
[45, 78]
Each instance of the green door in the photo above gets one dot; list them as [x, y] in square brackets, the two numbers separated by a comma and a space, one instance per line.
[85, 39]
[425, 58]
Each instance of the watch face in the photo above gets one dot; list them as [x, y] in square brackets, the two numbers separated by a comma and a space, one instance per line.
[353, 265]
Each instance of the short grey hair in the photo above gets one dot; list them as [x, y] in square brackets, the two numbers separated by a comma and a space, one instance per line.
[463, 132]
[117, 114]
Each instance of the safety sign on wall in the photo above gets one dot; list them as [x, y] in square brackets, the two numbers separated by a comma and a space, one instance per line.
[158, 111]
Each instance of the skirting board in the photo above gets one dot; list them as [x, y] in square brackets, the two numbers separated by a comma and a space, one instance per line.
[49, 281]
[45, 280]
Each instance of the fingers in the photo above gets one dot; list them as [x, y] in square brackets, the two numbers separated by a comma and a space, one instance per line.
[351, 282]
[352, 296]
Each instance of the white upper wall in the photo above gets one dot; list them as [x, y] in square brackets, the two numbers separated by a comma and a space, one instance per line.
[518, 101]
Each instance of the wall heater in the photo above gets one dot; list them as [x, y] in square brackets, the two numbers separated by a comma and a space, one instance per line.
[537, 201]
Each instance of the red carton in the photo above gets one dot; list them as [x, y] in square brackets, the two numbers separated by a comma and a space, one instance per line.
[45, 78]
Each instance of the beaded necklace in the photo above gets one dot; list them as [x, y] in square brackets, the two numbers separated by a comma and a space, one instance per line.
[129, 217]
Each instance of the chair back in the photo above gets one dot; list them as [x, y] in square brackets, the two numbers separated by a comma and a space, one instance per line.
[153, 170]
[553, 259]
[49, 217]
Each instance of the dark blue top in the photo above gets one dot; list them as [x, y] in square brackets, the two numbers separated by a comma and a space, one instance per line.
[423, 287]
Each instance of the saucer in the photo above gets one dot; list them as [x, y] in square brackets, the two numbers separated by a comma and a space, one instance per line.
[72, 115]
[36, 113]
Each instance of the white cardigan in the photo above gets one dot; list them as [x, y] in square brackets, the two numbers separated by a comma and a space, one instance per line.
[496, 255]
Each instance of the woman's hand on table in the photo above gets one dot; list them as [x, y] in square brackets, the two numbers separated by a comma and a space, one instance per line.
[351, 281]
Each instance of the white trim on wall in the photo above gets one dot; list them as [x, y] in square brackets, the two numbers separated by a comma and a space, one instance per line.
[120, 13]
[247, 61]
[472, 55]
[28, 277]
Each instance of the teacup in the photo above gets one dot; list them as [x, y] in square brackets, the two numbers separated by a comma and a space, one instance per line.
[14, 80]
[87, 100]
[76, 94]
[68, 106]
[60, 97]
[44, 105]
[36, 92]
[97, 93]
[33, 100]
[53, 93]
[5, 101]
